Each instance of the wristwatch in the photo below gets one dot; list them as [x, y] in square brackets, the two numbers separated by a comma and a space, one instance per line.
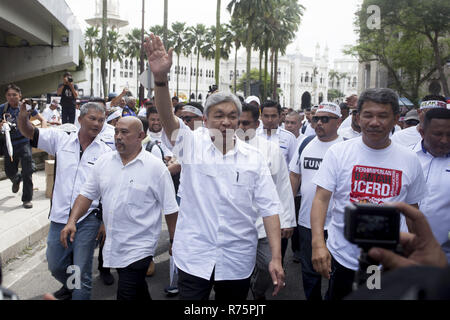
[161, 84]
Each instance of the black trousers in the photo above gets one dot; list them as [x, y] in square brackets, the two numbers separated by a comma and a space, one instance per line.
[22, 153]
[132, 284]
[341, 281]
[295, 241]
[195, 288]
[68, 115]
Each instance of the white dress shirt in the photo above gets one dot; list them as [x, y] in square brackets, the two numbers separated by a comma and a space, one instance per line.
[284, 139]
[280, 175]
[436, 206]
[107, 135]
[157, 136]
[133, 198]
[216, 226]
[71, 171]
[348, 133]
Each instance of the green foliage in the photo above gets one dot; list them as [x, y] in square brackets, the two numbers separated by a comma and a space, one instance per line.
[402, 44]
[334, 94]
[254, 77]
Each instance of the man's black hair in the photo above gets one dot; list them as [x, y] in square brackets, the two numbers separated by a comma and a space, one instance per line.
[246, 107]
[432, 97]
[436, 113]
[67, 74]
[144, 123]
[241, 98]
[176, 98]
[14, 87]
[178, 107]
[98, 100]
[151, 110]
[271, 104]
[343, 105]
[382, 96]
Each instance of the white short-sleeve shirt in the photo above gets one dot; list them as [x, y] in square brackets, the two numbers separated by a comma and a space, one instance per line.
[436, 206]
[408, 137]
[71, 171]
[353, 172]
[308, 166]
[134, 197]
[222, 197]
[285, 139]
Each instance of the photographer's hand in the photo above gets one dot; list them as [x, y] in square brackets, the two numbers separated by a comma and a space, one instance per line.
[421, 248]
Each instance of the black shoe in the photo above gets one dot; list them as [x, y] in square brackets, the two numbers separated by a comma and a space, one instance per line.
[107, 278]
[16, 185]
[63, 294]
[27, 205]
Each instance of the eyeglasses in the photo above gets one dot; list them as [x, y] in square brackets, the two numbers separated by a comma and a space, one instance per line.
[324, 119]
[412, 122]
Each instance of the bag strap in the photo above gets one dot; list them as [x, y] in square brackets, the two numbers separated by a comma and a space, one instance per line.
[152, 144]
[303, 146]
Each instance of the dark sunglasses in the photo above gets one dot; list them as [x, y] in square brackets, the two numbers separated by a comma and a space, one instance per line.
[187, 118]
[412, 122]
[245, 123]
[324, 119]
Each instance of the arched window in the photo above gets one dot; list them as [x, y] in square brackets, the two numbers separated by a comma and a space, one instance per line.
[131, 64]
[126, 64]
[354, 82]
[301, 78]
[307, 77]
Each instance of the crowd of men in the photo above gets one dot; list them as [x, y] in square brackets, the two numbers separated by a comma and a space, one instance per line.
[234, 179]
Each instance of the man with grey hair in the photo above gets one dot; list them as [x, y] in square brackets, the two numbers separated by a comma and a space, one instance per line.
[225, 186]
[128, 109]
[76, 154]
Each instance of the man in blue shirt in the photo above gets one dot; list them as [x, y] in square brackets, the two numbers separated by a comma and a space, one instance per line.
[21, 147]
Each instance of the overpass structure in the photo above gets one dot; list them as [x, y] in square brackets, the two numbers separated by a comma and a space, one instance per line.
[39, 41]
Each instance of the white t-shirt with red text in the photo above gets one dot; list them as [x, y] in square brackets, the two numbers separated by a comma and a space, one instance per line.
[353, 172]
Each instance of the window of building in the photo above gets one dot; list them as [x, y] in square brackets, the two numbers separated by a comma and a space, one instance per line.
[301, 78]
[114, 87]
[121, 74]
[126, 74]
[307, 77]
[126, 64]
[131, 64]
[114, 74]
[131, 74]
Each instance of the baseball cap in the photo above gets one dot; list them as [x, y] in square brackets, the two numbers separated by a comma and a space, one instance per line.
[329, 107]
[412, 115]
[253, 98]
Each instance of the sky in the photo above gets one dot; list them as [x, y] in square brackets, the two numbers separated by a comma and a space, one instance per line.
[327, 22]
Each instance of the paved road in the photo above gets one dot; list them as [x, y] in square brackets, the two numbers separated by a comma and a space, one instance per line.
[30, 278]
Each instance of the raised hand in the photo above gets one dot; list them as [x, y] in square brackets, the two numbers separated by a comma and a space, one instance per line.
[159, 60]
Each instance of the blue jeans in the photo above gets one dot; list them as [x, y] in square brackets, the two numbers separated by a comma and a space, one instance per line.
[80, 253]
[312, 281]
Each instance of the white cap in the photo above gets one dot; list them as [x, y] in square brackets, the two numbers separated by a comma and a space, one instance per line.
[432, 104]
[329, 107]
[253, 98]
[114, 115]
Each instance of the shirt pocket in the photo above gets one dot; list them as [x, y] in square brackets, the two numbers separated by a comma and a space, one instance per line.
[242, 189]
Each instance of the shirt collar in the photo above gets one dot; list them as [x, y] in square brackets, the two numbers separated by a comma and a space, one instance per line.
[421, 147]
[239, 146]
[139, 157]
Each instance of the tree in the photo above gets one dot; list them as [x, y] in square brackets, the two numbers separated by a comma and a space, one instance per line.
[188, 45]
[287, 17]
[115, 52]
[218, 47]
[429, 19]
[132, 45]
[405, 53]
[103, 47]
[92, 50]
[237, 35]
[334, 94]
[198, 34]
[165, 26]
[178, 38]
[254, 78]
[247, 11]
